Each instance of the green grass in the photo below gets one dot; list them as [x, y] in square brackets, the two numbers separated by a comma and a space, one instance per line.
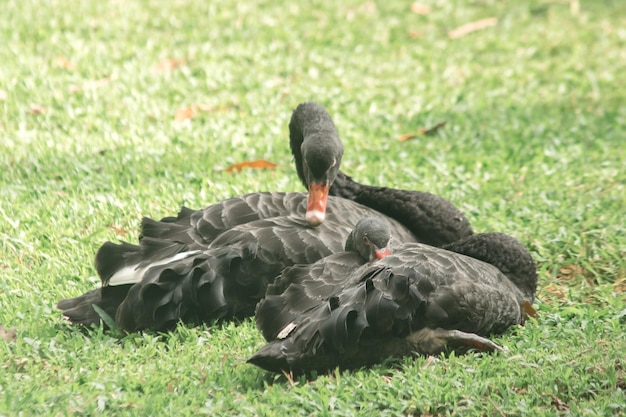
[534, 147]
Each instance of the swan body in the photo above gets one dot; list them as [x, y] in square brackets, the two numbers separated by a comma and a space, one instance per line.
[184, 263]
[419, 300]
[202, 274]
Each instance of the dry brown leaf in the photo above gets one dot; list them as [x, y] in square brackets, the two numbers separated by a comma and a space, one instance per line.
[3, 95]
[64, 63]
[19, 363]
[528, 310]
[119, 230]
[558, 291]
[620, 286]
[257, 164]
[187, 113]
[36, 109]
[90, 85]
[8, 335]
[169, 64]
[424, 131]
[429, 360]
[407, 136]
[367, 8]
[207, 107]
[472, 27]
[413, 34]
[419, 8]
[184, 114]
[558, 403]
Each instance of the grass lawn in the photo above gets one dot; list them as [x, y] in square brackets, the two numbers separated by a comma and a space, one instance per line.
[95, 99]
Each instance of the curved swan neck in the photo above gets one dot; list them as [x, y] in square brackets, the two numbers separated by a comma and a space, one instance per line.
[345, 187]
[432, 219]
[295, 142]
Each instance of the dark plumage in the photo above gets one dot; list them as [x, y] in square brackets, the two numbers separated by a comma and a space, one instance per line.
[370, 240]
[195, 264]
[419, 300]
[431, 219]
[317, 151]
[190, 280]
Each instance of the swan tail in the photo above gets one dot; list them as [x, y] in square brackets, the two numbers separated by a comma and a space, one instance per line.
[80, 310]
[170, 228]
[125, 263]
[186, 289]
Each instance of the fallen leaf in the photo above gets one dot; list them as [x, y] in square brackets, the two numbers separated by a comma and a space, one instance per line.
[184, 114]
[19, 364]
[413, 34]
[119, 230]
[187, 113]
[472, 27]
[8, 335]
[90, 85]
[36, 109]
[257, 164]
[424, 131]
[169, 64]
[419, 8]
[3, 95]
[557, 291]
[528, 310]
[64, 63]
[407, 136]
[429, 360]
[558, 403]
[367, 8]
[208, 107]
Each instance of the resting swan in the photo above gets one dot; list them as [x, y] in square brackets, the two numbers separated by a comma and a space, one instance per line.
[161, 281]
[419, 300]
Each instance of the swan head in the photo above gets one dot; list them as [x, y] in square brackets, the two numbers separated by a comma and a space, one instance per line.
[371, 238]
[317, 152]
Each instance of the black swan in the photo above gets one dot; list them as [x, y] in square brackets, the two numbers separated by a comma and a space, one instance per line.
[370, 239]
[166, 268]
[431, 219]
[152, 288]
[419, 300]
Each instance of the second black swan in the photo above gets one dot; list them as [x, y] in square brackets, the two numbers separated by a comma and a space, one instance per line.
[419, 300]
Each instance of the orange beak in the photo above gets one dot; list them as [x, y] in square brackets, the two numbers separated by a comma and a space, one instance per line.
[316, 206]
[381, 253]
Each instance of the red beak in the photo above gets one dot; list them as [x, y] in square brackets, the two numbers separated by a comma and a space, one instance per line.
[381, 253]
[316, 206]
